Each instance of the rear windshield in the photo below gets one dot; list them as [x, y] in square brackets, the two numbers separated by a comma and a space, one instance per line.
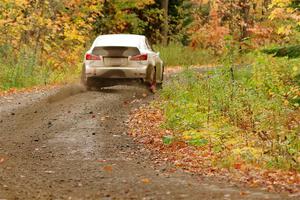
[116, 51]
[119, 40]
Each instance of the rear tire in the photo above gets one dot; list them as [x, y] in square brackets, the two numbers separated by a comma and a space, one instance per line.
[153, 84]
[86, 82]
[160, 85]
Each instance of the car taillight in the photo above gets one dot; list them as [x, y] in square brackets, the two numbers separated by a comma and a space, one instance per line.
[92, 57]
[140, 57]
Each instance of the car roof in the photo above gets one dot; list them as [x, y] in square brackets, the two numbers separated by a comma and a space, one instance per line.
[128, 40]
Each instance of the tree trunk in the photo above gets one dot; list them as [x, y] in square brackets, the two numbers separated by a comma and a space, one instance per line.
[245, 17]
[165, 28]
[265, 6]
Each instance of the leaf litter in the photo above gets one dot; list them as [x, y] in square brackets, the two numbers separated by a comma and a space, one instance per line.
[145, 126]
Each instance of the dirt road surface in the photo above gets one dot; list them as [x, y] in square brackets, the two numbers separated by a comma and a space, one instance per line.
[67, 143]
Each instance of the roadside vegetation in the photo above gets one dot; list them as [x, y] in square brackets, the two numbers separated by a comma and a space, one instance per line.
[243, 115]
[25, 69]
[246, 112]
[176, 54]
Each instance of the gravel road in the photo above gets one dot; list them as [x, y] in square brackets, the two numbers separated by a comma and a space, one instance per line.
[67, 143]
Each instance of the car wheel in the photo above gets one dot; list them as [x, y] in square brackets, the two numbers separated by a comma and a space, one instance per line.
[160, 85]
[86, 82]
[90, 83]
[83, 77]
[153, 84]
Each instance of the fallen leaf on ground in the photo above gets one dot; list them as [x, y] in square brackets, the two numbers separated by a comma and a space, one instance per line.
[108, 168]
[49, 172]
[237, 165]
[102, 160]
[243, 193]
[145, 180]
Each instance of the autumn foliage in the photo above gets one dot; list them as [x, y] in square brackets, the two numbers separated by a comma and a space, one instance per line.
[261, 22]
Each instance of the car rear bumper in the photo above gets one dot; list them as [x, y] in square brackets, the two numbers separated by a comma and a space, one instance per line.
[116, 72]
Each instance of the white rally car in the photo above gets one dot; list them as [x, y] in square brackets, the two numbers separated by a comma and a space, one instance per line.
[118, 57]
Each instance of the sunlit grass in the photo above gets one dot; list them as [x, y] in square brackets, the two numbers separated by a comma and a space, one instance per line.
[178, 55]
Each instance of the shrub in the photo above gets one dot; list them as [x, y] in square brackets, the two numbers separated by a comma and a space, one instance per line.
[289, 51]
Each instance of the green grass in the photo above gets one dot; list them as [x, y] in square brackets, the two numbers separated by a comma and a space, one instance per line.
[179, 55]
[247, 114]
[24, 69]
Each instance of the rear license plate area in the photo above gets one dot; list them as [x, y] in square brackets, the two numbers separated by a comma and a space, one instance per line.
[115, 61]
